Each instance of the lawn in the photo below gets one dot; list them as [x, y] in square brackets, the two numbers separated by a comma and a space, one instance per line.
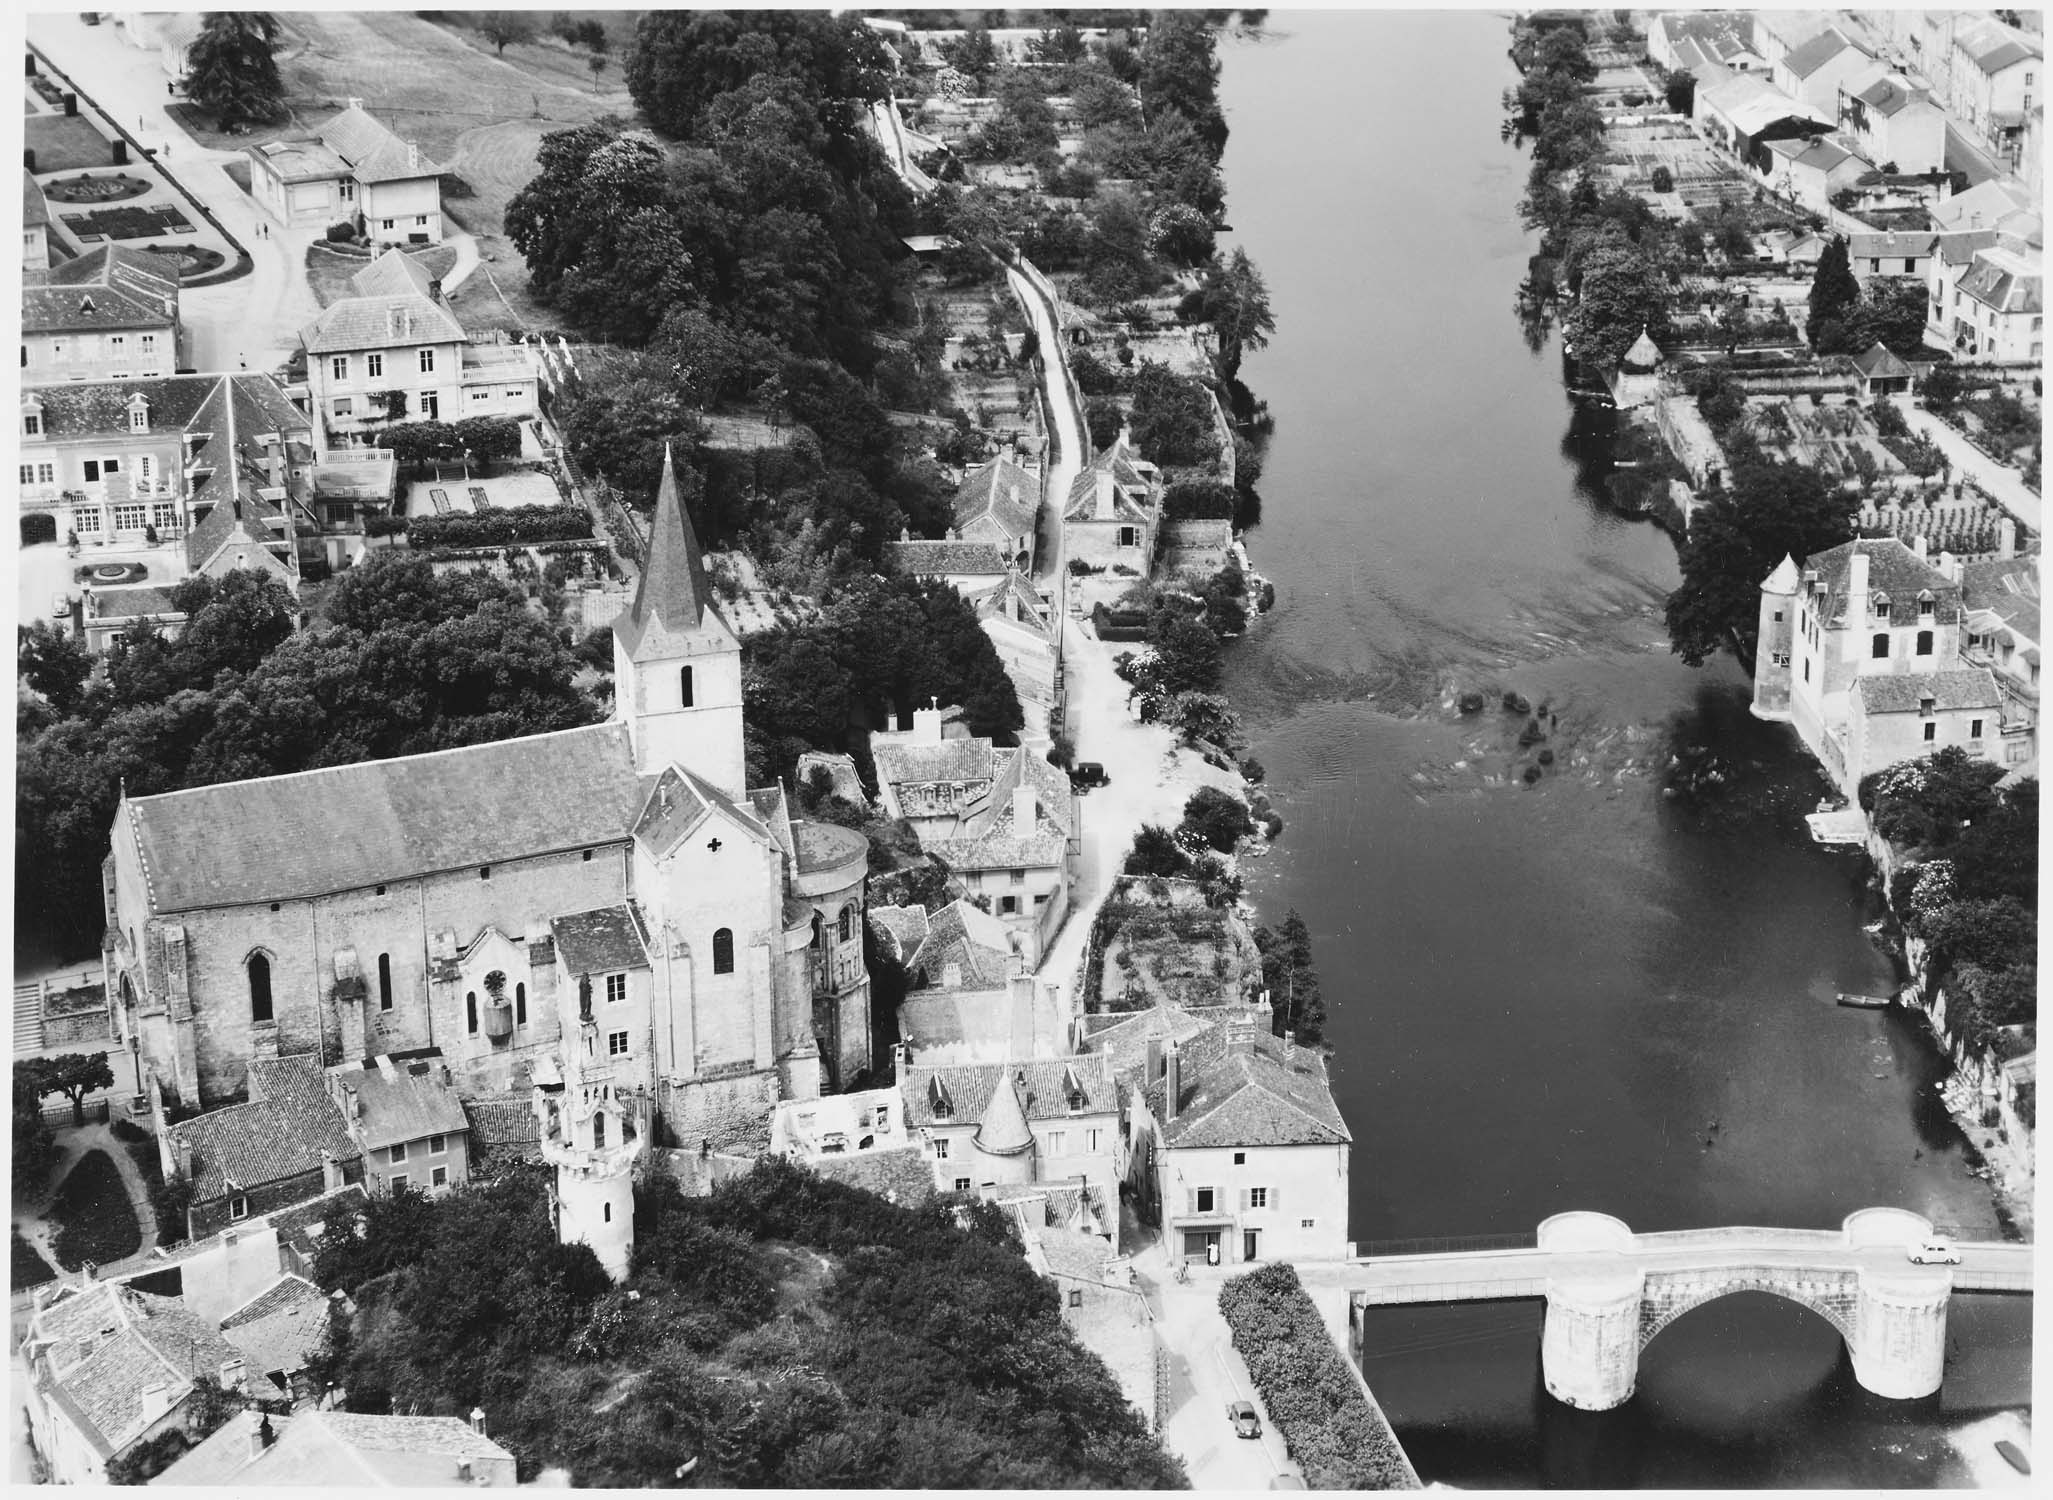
[550, 59]
[329, 273]
[65, 143]
[26, 1266]
[95, 1221]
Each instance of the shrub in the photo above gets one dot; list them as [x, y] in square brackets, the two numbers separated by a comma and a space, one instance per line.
[94, 1220]
[1216, 818]
[38, 526]
[1663, 180]
[1340, 1441]
[384, 525]
[499, 528]
[341, 233]
[1200, 500]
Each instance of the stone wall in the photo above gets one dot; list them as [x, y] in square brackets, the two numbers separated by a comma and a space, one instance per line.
[732, 1112]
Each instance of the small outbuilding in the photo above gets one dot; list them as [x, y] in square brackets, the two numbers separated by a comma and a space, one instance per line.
[1881, 372]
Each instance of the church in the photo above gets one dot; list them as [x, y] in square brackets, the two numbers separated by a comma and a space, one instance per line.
[607, 906]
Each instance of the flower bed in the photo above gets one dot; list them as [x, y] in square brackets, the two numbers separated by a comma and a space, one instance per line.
[193, 260]
[84, 189]
[1335, 1435]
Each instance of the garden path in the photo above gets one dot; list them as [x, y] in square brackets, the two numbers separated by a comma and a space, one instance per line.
[2001, 482]
[32, 1217]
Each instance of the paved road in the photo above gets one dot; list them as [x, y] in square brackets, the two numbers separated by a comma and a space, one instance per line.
[2001, 481]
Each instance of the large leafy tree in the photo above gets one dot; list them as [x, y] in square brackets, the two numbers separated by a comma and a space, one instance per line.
[72, 1074]
[1180, 74]
[1736, 538]
[1234, 299]
[1622, 292]
[1834, 291]
[231, 71]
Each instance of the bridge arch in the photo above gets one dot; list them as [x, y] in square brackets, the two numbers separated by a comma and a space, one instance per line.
[1831, 1296]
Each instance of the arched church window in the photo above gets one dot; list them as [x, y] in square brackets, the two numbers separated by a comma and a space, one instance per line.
[520, 1005]
[723, 951]
[259, 987]
[598, 1132]
[819, 932]
[847, 923]
[470, 1011]
[684, 686]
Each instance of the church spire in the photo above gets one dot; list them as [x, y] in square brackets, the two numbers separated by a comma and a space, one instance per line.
[674, 586]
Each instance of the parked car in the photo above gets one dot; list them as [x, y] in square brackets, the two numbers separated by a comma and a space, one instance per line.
[60, 607]
[1934, 1253]
[1086, 774]
[1242, 1415]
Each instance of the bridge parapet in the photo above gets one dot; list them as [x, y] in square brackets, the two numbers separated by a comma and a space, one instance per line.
[1585, 1231]
[1677, 1239]
[1893, 1227]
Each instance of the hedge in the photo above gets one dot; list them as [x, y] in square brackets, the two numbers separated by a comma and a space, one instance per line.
[1338, 1439]
[38, 526]
[1200, 500]
[499, 528]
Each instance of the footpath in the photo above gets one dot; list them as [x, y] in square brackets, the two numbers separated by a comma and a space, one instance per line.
[2003, 483]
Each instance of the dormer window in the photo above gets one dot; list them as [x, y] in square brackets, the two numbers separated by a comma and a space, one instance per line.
[938, 1103]
[138, 415]
[85, 307]
[1881, 608]
[1926, 604]
[1926, 705]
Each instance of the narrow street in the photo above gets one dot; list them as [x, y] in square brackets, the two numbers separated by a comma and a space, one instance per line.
[2004, 484]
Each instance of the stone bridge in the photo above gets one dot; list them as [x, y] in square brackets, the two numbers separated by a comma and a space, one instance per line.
[1610, 1292]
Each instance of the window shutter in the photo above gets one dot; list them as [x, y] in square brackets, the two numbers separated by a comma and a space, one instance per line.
[1190, 1200]
[1243, 1200]
[1275, 1197]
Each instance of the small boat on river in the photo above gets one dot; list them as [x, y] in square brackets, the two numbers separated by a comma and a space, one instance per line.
[2014, 1456]
[1865, 1002]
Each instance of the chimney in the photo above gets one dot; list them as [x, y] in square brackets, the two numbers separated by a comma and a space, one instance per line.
[331, 1172]
[926, 726]
[262, 1436]
[434, 289]
[233, 1372]
[1154, 1063]
[1023, 812]
[1172, 1076]
[901, 1059]
[354, 1109]
[1921, 546]
[156, 1401]
[463, 1475]
[1289, 1046]
[477, 1420]
[1857, 593]
[1104, 511]
[355, 103]
[2006, 538]
[385, 1067]
[1020, 998]
[1950, 566]
[413, 156]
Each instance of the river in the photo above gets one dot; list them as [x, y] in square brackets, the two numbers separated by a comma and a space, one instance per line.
[1543, 995]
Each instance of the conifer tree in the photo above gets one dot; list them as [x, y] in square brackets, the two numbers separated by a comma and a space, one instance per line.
[231, 72]
[1834, 292]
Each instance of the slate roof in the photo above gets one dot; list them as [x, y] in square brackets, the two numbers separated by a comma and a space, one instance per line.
[1245, 1093]
[674, 598]
[1993, 48]
[968, 1088]
[1990, 201]
[1877, 362]
[929, 559]
[1002, 1129]
[388, 304]
[1001, 492]
[1894, 243]
[1890, 95]
[674, 804]
[188, 403]
[279, 1134]
[346, 827]
[1893, 569]
[373, 152]
[1817, 153]
[1973, 687]
[35, 208]
[109, 287]
[279, 1329]
[130, 603]
[1752, 104]
[601, 941]
[2001, 281]
[405, 1105]
[2007, 587]
[1958, 247]
[1812, 55]
[239, 517]
[102, 1346]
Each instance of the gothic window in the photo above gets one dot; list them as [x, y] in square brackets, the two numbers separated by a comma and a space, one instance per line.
[684, 687]
[259, 987]
[520, 1005]
[598, 1132]
[470, 1011]
[723, 951]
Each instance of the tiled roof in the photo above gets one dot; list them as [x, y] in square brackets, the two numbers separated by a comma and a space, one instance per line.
[103, 1346]
[1124, 1038]
[223, 1455]
[373, 152]
[824, 846]
[303, 1224]
[1001, 491]
[903, 1175]
[130, 603]
[240, 517]
[1112, 474]
[1814, 54]
[1989, 201]
[1993, 48]
[597, 942]
[1958, 247]
[899, 929]
[977, 943]
[407, 1104]
[383, 310]
[677, 801]
[902, 764]
[1014, 598]
[2007, 587]
[968, 1089]
[1876, 361]
[1002, 1129]
[1890, 95]
[344, 1450]
[1968, 688]
[925, 559]
[1236, 1088]
[504, 1127]
[89, 407]
[1896, 243]
[2000, 281]
[108, 287]
[1893, 569]
[345, 827]
[279, 1134]
[279, 1329]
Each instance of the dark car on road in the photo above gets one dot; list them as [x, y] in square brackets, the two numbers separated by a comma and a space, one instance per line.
[1242, 1415]
[1086, 774]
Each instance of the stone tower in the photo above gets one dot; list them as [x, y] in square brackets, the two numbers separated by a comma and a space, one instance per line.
[1004, 1142]
[1776, 650]
[591, 1139]
[676, 665]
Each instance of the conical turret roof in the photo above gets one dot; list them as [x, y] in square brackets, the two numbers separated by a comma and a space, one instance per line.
[1785, 579]
[1644, 354]
[674, 592]
[1003, 1131]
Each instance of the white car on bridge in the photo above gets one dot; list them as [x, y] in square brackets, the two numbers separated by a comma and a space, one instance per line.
[1934, 1253]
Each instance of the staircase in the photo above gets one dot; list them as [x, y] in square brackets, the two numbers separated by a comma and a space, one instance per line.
[28, 1019]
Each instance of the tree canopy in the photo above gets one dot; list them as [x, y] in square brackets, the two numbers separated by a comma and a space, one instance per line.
[231, 72]
[1234, 299]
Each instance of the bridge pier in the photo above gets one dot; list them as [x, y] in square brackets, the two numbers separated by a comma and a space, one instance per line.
[1590, 1342]
[1898, 1342]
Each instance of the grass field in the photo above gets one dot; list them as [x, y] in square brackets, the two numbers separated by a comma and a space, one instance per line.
[95, 1221]
[65, 143]
[329, 273]
[549, 59]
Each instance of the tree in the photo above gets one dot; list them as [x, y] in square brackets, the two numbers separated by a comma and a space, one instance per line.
[683, 61]
[502, 26]
[1234, 299]
[1173, 417]
[1216, 818]
[1156, 852]
[232, 623]
[972, 54]
[1622, 292]
[1735, 541]
[1681, 92]
[231, 72]
[53, 662]
[488, 439]
[35, 1148]
[1295, 1001]
[420, 443]
[1180, 75]
[1834, 291]
[74, 1075]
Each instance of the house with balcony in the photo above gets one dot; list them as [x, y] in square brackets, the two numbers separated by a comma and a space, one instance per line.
[1995, 71]
[405, 1121]
[2001, 633]
[109, 314]
[1894, 121]
[392, 351]
[354, 169]
[117, 460]
[35, 225]
[1235, 1142]
[1861, 650]
[1113, 511]
[1002, 820]
[105, 1368]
